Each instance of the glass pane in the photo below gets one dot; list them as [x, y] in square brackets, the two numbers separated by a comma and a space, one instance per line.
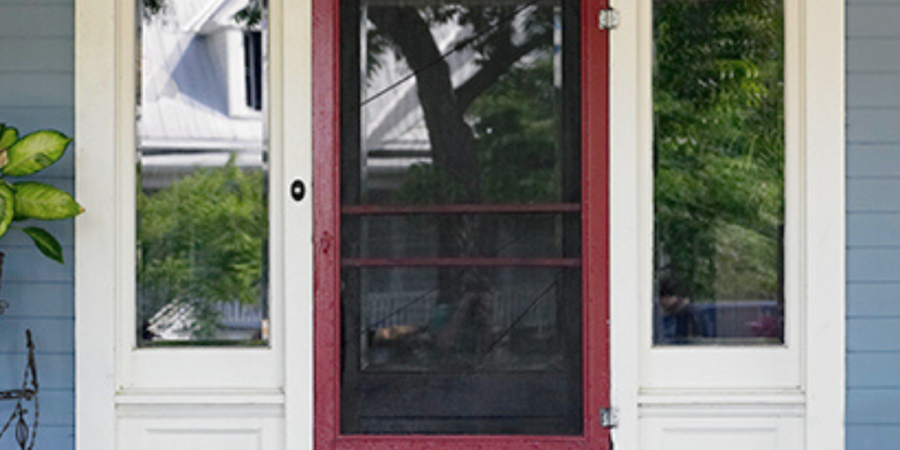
[461, 218]
[202, 228]
[718, 92]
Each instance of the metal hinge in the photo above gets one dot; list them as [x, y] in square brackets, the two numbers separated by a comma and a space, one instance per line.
[609, 417]
[608, 19]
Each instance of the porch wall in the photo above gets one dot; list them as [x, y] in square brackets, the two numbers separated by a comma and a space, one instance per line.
[873, 224]
[36, 91]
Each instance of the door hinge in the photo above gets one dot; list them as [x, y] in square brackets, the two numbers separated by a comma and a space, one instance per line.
[608, 19]
[609, 417]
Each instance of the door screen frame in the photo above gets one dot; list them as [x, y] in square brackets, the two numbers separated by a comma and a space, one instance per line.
[595, 248]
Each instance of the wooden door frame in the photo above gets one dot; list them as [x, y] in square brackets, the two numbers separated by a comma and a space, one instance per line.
[326, 223]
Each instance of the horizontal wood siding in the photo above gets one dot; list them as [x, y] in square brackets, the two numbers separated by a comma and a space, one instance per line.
[873, 224]
[36, 91]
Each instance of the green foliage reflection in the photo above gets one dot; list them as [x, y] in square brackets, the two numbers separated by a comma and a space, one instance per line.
[718, 95]
[516, 129]
[201, 242]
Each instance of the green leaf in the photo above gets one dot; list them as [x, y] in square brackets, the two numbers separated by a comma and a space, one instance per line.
[35, 152]
[7, 204]
[8, 136]
[41, 201]
[46, 243]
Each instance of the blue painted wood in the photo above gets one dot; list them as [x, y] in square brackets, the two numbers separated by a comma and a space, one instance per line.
[866, 370]
[873, 229]
[873, 21]
[874, 160]
[30, 119]
[37, 90]
[873, 224]
[869, 437]
[873, 264]
[849, 2]
[872, 56]
[46, 20]
[54, 371]
[875, 300]
[873, 407]
[56, 405]
[873, 334]
[873, 126]
[26, 264]
[28, 300]
[873, 194]
[37, 2]
[51, 336]
[64, 230]
[38, 55]
[872, 90]
[50, 437]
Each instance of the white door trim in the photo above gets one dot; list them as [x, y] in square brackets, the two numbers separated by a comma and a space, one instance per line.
[95, 171]
[816, 38]
[107, 392]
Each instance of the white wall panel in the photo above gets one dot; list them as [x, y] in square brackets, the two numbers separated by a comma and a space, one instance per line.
[712, 431]
[199, 427]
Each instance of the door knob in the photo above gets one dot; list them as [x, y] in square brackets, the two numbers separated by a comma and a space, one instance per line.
[298, 190]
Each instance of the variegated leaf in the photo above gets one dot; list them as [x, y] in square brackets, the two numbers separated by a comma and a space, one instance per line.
[41, 201]
[35, 152]
[7, 205]
[8, 136]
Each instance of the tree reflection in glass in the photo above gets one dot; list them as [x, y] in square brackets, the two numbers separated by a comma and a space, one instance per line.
[201, 203]
[718, 93]
[460, 226]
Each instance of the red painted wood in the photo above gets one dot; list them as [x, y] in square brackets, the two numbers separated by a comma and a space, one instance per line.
[595, 139]
[460, 262]
[595, 217]
[326, 225]
[461, 443]
[520, 208]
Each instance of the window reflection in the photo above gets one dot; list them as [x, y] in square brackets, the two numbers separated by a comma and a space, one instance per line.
[201, 165]
[718, 92]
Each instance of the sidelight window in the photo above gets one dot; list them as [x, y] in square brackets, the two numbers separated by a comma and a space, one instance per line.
[719, 178]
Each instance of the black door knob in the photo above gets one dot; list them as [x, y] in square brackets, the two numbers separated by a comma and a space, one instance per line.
[298, 190]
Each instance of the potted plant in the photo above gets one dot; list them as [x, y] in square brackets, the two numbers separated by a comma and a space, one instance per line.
[25, 200]
[22, 200]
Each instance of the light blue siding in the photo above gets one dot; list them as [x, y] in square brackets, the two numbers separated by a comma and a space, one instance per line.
[50, 90]
[872, 160]
[37, 91]
[42, 55]
[37, 20]
[873, 224]
[873, 437]
[873, 300]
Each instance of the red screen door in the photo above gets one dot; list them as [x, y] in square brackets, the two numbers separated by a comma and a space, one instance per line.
[460, 224]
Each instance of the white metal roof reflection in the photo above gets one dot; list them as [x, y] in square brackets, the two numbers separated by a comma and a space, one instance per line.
[188, 81]
[192, 79]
